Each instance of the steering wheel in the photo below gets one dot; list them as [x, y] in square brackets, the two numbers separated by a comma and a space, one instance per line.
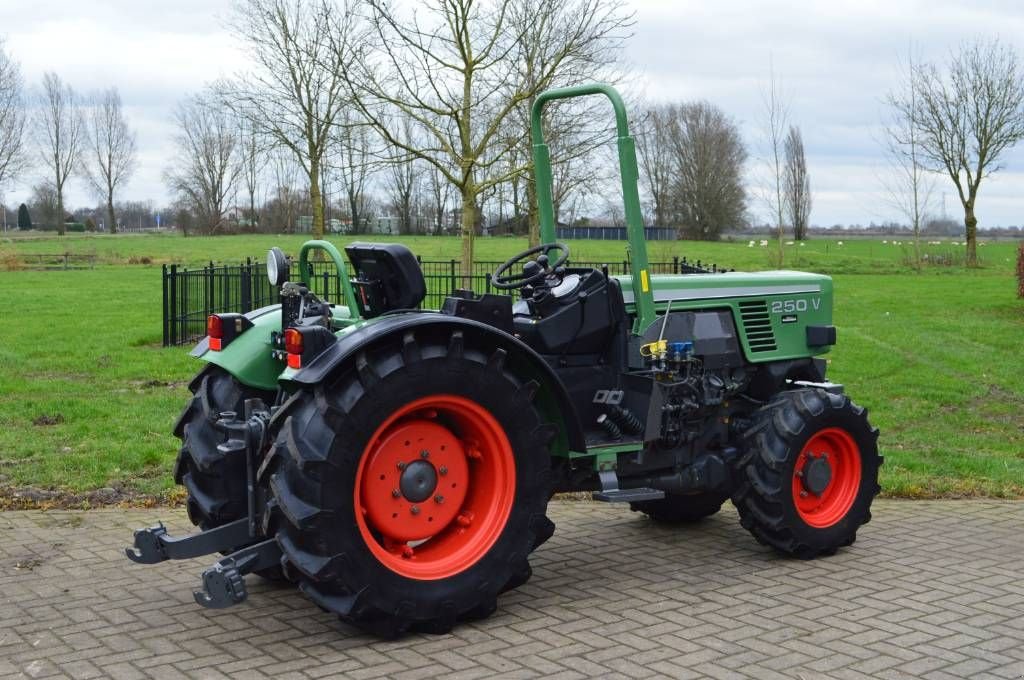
[533, 270]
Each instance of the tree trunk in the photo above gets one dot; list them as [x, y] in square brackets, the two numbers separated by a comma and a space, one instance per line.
[532, 213]
[315, 197]
[971, 226]
[353, 208]
[60, 212]
[468, 232]
[110, 210]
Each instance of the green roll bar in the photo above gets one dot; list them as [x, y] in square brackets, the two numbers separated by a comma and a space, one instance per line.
[339, 262]
[642, 293]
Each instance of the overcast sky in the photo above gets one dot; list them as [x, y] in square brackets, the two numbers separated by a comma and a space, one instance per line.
[835, 60]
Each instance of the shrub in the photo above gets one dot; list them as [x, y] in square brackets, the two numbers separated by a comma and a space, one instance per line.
[24, 219]
[74, 226]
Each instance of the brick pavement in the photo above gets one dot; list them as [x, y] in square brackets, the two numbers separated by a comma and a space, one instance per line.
[931, 590]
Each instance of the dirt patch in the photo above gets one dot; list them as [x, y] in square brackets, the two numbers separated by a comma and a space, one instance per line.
[43, 419]
[151, 384]
[34, 498]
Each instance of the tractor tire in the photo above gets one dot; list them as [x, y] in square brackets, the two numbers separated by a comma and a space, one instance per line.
[408, 491]
[808, 474]
[681, 509]
[215, 482]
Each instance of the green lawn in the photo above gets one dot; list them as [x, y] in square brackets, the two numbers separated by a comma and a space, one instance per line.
[88, 398]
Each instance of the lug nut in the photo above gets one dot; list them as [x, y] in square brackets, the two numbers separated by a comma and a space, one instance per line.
[401, 465]
[439, 499]
[395, 493]
[803, 494]
[443, 469]
[415, 509]
[424, 454]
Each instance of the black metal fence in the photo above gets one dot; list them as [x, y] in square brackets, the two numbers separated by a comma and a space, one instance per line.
[192, 294]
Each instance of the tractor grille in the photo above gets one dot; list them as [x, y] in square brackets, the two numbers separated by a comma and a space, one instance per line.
[758, 326]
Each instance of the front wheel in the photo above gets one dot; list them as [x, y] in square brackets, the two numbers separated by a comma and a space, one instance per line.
[809, 473]
[412, 489]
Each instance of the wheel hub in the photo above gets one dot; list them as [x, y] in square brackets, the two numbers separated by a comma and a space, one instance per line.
[418, 481]
[827, 477]
[817, 475]
[415, 479]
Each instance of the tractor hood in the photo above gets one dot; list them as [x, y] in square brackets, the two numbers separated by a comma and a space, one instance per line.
[778, 314]
[682, 287]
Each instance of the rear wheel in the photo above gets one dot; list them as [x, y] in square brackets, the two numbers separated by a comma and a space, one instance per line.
[410, 491]
[809, 473]
[681, 509]
[215, 481]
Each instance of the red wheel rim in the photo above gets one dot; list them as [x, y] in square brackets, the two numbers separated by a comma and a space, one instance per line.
[821, 499]
[435, 487]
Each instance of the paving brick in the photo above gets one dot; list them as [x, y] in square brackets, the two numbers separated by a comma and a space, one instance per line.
[931, 589]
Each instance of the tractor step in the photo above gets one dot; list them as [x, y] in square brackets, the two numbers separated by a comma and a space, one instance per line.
[629, 495]
[611, 493]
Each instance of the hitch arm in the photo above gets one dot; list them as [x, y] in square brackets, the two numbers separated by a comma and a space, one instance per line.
[224, 582]
[154, 545]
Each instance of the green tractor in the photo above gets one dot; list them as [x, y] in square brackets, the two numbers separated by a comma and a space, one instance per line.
[396, 464]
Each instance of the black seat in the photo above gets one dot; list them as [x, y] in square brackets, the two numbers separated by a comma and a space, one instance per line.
[387, 277]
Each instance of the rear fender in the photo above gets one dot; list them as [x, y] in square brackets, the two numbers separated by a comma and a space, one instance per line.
[552, 397]
[248, 357]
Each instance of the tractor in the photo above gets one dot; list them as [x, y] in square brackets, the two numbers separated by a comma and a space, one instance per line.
[396, 463]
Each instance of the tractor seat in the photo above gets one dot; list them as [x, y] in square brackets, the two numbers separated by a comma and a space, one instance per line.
[387, 277]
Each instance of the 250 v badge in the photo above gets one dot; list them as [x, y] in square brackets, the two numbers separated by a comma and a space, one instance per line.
[795, 305]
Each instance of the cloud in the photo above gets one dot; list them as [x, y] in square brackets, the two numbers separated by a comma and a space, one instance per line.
[835, 60]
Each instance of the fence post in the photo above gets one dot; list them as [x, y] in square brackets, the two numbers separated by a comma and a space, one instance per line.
[163, 281]
[451, 283]
[173, 307]
[209, 291]
[246, 288]
[675, 264]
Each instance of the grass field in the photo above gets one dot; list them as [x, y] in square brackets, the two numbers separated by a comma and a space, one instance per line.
[88, 398]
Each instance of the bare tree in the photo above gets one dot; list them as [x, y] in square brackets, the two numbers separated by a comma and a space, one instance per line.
[43, 203]
[285, 204]
[564, 43]
[910, 188]
[60, 134]
[300, 48]
[352, 157]
[797, 185]
[110, 149]
[450, 68]
[654, 147]
[440, 192]
[206, 168]
[402, 181]
[776, 118]
[967, 119]
[12, 119]
[708, 197]
[252, 156]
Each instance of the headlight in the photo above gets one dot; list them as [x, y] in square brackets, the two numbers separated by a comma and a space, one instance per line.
[277, 267]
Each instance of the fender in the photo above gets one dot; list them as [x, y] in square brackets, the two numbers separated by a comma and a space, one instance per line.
[552, 397]
[248, 356]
